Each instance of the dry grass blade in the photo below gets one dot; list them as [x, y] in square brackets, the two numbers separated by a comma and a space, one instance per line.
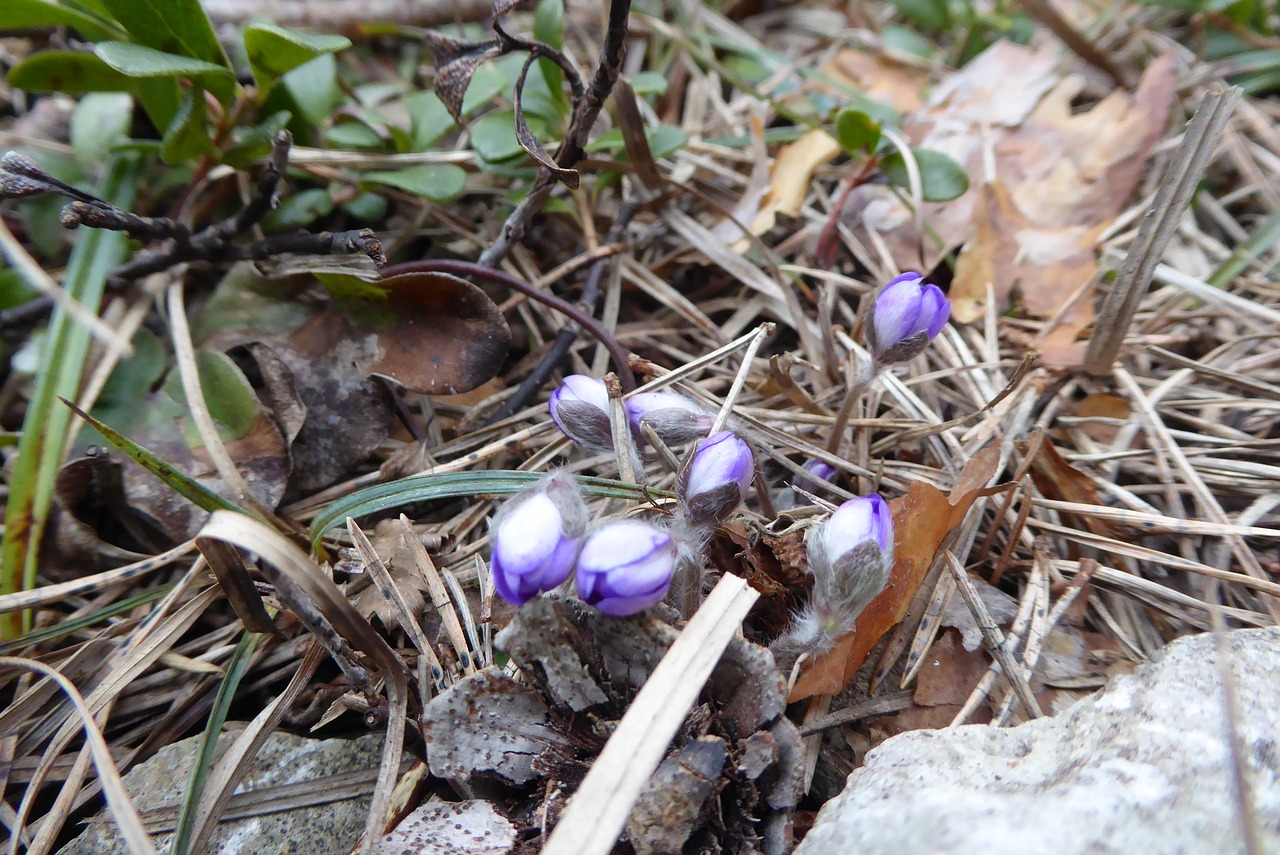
[993, 637]
[1157, 229]
[439, 594]
[280, 552]
[594, 817]
[122, 809]
[76, 587]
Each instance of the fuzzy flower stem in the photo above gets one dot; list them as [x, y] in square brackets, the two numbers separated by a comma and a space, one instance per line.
[862, 380]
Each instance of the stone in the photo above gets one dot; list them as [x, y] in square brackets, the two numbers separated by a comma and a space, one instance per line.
[1144, 766]
[330, 826]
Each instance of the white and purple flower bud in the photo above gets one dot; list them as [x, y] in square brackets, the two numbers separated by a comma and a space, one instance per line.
[715, 479]
[674, 418]
[906, 315]
[625, 567]
[580, 408]
[536, 535]
[850, 556]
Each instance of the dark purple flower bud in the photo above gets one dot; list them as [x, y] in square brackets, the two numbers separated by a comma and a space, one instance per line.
[580, 408]
[907, 314]
[715, 479]
[625, 567]
[673, 417]
[820, 475]
[850, 556]
[536, 535]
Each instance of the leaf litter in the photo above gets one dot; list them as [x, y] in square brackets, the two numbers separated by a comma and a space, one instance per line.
[1056, 168]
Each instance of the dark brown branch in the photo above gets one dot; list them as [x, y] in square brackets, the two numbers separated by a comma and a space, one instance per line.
[586, 109]
[569, 333]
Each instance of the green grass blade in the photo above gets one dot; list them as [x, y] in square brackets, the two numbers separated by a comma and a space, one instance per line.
[44, 429]
[453, 485]
[184, 485]
[70, 625]
[236, 669]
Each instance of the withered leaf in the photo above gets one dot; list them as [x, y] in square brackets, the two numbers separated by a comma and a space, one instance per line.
[529, 142]
[456, 63]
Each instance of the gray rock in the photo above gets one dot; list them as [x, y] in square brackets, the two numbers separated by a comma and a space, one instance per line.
[340, 773]
[1144, 766]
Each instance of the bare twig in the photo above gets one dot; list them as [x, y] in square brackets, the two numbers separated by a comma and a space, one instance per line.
[1158, 227]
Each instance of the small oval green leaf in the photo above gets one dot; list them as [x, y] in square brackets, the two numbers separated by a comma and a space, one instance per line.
[438, 182]
[857, 132]
[941, 178]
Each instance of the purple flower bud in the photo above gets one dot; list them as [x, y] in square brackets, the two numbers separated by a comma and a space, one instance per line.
[820, 474]
[850, 556]
[536, 535]
[580, 408]
[907, 314]
[715, 479]
[625, 567]
[673, 417]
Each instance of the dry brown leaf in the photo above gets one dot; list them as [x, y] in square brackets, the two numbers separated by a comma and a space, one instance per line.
[1057, 479]
[1099, 405]
[790, 179]
[880, 78]
[1030, 231]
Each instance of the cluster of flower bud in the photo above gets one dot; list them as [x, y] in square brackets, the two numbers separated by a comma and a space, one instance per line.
[580, 408]
[540, 538]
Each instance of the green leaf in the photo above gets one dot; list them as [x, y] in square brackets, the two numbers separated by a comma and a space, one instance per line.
[649, 83]
[929, 14]
[274, 51]
[187, 136]
[353, 135]
[429, 119]
[313, 86]
[663, 140]
[14, 288]
[454, 485]
[228, 395]
[255, 141]
[299, 210]
[941, 178]
[548, 28]
[141, 61]
[493, 135]
[21, 14]
[133, 377]
[438, 182]
[171, 26]
[488, 81]
[857, 132]
[100, 121]
[68, 71]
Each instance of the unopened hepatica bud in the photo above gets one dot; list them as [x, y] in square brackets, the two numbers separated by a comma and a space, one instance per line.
[906, 315]
[850, 556]
[536, 535]
[625, 567]
[674, 418]
[580, 408]
[715, 479]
